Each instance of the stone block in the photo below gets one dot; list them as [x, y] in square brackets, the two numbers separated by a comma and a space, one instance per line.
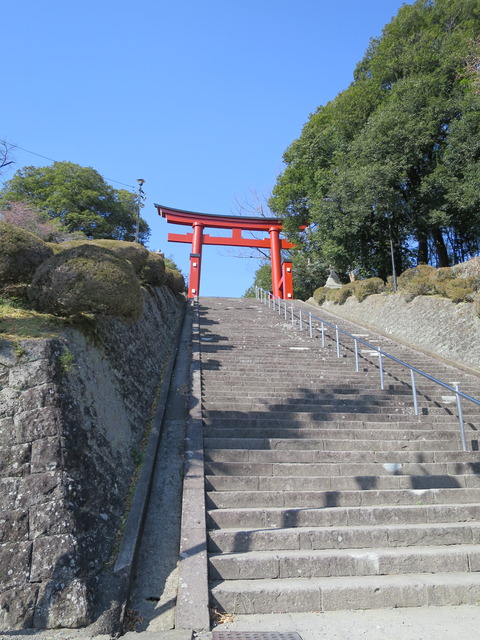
[46, 454]
[55, 556]
[9, 488]
[372, 593]
[35, 423]
[267, 596]
[50, 518]
[345, 538]
[14, 563]
[8, 434]
[63, 604]
[17, 607]
[249, 566]
[452, 590]
[13, 525]
[29, 375]
[38, 488]
[15, 460]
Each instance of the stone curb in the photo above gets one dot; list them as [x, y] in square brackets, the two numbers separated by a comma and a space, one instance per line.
[192, 610]
[133, 528]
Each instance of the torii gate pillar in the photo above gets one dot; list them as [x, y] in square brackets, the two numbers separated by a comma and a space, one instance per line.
[282, 280]
[196, 260]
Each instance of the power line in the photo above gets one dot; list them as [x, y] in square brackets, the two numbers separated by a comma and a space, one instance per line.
[16, 146]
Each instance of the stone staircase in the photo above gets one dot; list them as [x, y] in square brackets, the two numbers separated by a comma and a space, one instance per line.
[323, 491]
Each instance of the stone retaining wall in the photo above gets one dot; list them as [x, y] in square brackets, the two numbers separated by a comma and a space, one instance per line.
[73, 413]
[434, 324]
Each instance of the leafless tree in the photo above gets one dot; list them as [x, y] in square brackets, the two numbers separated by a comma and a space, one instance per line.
[5, 155]
[252, 205]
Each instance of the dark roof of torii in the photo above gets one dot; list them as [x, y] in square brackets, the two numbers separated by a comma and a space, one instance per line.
[178, 216]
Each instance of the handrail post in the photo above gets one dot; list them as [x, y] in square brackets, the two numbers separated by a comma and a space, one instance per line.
[338, 340]
[310, 324]
[356, 355]
[380, 365]
[285, 309]
[293, 317]
[414, 392]
[300, 321]
[323, 334]
[460, 418]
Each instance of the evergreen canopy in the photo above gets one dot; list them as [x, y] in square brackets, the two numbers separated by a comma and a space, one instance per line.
[80, 198]
[397, 152]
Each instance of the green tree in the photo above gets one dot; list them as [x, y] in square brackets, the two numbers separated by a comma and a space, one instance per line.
[263, 279]
[80, 198]
[396, 154]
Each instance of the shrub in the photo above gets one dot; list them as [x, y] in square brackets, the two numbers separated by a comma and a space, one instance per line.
[338, 296]
[174, 280]
[87, 279]
[154, 270]
[364, 288]
[319, 295]
[21, 252]
[458, 289]
[418, 281]
[135, 253]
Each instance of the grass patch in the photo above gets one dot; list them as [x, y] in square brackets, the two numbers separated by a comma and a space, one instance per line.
[19, 322]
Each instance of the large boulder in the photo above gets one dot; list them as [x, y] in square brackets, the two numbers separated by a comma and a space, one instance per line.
[87, 279]
[21, 252]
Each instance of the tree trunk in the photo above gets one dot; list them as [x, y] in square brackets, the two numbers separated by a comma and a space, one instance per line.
[440, 248]
[422, 252]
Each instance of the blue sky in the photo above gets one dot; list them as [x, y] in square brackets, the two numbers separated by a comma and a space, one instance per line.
[200, 99]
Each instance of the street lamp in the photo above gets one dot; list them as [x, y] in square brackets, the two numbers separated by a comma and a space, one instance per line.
[141, 196]
[392, 255]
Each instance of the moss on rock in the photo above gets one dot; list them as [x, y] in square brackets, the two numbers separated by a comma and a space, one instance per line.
[87, 279]
[135, 253]
[154, 270]
[21, 252]
[174, 280]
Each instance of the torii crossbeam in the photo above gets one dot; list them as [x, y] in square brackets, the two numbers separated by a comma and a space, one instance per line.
[282, 282]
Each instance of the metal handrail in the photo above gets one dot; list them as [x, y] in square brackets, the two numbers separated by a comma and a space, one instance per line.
[268, 297]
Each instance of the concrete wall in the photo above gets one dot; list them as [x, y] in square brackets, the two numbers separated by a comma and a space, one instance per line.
[73, 413]
[434, 324]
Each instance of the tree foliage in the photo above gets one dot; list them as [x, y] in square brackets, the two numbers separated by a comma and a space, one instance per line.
[80, 198]
[397, 153]
[263, 279]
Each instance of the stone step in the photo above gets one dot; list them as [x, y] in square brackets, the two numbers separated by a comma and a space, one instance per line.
[242, 540]
[286, 408]
[320, 563]
[318, 482]
[353, 435]
[319, 499]
[265, 456]
[422, 423]
[268, 518]
[333, 594]
[348, 391]
[339, 483]
[332, 445]
[332, 470]
[404, 414]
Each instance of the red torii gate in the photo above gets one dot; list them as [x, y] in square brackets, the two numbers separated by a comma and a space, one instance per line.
[282, 281]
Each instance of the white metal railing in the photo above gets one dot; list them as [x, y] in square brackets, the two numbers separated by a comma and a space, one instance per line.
[296, 314]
